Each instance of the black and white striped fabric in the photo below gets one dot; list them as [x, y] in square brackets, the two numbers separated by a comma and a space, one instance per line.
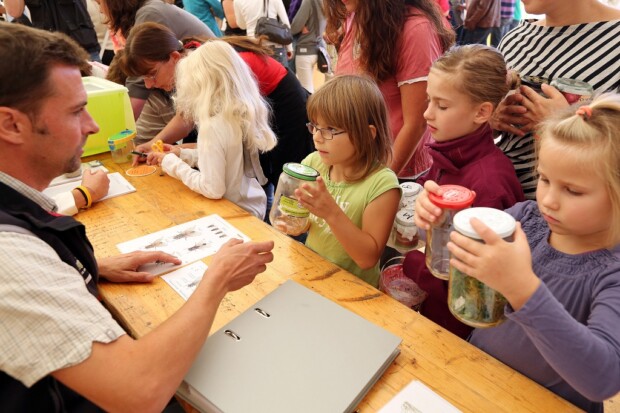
[588, 52]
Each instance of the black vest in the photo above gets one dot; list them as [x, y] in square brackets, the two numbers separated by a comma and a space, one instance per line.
[68, 238]
[68, 16]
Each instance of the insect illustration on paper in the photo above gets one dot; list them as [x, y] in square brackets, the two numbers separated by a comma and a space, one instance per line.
[185, 233]
[197, 246]
[157, 243]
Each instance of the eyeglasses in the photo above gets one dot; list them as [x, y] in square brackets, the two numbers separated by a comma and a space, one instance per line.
[326, 133]
[153, 77]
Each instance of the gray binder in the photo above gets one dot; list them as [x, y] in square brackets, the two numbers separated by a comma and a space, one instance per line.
[293, 351]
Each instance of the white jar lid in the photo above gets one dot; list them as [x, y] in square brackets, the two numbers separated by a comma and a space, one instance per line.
[405, 217]
[410, 189]
[502, 223]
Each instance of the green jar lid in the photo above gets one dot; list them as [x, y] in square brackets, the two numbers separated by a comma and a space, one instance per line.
[502, 223]
[121, 137]
[300, 171]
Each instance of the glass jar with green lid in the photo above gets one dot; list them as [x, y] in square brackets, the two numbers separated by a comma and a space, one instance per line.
[469, 300]
[287, 214]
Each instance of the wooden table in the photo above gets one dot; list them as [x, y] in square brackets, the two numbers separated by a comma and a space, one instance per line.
[462, 374]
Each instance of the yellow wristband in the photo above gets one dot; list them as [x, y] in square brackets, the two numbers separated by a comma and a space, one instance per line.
[87, 196]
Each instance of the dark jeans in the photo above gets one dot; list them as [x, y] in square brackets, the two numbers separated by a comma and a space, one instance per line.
[480, 35]
[279, 53]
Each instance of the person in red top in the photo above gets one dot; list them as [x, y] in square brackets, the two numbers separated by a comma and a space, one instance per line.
[152, 51]
[465, 86]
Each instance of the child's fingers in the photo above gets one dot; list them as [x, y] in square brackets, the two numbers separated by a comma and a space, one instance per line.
[433, 187]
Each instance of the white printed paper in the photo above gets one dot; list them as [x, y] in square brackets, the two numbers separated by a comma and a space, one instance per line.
[118, 186]
[189, 242]
[185, 280]
[418, 398]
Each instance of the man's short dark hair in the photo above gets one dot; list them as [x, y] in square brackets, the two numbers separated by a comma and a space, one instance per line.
[26, 57]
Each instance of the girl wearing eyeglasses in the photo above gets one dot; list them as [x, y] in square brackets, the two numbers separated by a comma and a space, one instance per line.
[354, 201]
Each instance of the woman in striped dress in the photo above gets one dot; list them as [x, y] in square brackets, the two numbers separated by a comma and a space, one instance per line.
[577, 39]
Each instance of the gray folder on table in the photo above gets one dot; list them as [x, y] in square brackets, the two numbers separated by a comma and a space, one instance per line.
[293, 351]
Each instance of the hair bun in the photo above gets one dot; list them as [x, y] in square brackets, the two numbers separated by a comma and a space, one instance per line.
[513, 80]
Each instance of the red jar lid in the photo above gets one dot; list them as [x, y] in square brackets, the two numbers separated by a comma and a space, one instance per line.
[454, 197]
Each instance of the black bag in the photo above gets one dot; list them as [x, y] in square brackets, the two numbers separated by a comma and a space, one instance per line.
[274, 29]
[323, 61]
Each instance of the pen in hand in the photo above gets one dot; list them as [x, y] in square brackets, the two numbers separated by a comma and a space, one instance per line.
[139, 153]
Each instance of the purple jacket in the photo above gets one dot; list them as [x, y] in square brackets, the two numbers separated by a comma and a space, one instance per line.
[474, 162]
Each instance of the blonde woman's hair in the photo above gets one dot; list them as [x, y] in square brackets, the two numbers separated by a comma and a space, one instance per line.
[597, 137]
[214, 81]
[352, 103]
[478, 72]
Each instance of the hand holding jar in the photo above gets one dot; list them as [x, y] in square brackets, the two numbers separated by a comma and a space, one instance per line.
[426, 213]
[317, 199]
[502, 265]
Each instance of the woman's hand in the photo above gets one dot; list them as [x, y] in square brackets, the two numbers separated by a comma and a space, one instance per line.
[504, 266]
[510, 113]
[539, 107]
[144, 148]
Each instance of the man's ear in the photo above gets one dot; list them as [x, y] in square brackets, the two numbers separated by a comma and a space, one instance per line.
[373, 131]
[13, 125]
[484, 113]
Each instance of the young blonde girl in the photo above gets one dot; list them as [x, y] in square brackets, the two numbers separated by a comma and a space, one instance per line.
[355, 199]
[216, 90]
[464, 87]
[561, 275]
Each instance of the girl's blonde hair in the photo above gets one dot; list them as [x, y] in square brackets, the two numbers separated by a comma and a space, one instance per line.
[214, 81]
[478, 72]
[594, 131]
[352, 103]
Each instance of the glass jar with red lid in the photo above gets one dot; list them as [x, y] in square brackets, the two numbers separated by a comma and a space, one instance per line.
[453, 199]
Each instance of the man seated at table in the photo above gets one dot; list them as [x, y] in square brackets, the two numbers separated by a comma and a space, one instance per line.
[61, 349]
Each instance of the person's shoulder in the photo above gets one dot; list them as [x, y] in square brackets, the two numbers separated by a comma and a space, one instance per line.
[416, 19]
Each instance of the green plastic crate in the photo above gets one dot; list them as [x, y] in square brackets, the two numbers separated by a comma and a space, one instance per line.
[109, 105]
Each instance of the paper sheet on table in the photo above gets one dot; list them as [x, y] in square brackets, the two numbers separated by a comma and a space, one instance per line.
[418, 398]
[118, 186]
[191, 241]
[93, 165]
[185, 280]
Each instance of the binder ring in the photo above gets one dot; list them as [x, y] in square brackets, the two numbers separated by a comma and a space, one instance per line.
[232, 334]
[262, 312]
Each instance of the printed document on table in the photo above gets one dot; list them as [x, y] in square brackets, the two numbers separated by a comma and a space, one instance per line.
[118, 186]
[185, 280]
[418, 398]
[189, 242]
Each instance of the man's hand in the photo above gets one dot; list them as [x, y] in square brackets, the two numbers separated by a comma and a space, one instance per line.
[97, 182]
[124, 267]
[236, 265]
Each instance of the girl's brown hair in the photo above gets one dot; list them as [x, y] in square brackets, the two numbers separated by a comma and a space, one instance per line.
[153, 42]
[478, 72]
[380, 24]
[352, 103]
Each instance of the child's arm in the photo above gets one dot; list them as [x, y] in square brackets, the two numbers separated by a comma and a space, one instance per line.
[364, 245]
[586, 355]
